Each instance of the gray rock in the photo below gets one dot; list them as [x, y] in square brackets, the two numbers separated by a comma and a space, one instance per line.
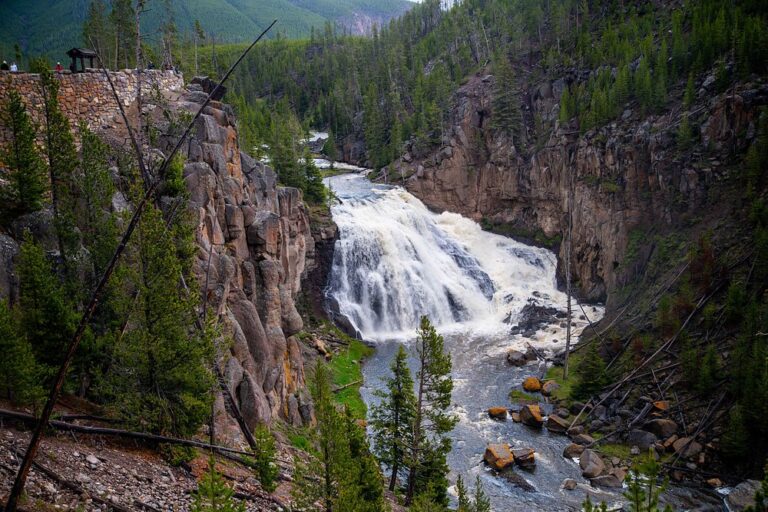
[516, 358]
[573, 450]
[569, 484]
[583, 439]
[662, 428]
[742, 496]
[642, 439]
[591, 464]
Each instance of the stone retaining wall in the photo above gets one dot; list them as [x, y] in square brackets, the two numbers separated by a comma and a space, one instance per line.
[86, 96]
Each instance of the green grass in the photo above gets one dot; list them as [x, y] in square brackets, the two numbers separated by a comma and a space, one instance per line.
[615, 450]
[556, 373]
[519, 396]
[299, 441]
[346, 368]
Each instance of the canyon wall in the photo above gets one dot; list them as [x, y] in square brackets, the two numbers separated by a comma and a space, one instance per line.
[255, 246]
[629, 179]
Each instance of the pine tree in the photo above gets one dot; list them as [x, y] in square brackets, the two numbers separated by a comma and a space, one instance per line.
[684, 133]
[567, 106]
[19, 372]
[96, 30]
[340, 473]
[158, 380]
[507, 116]
[690, 92]
[644, 85]
[26, 182]
[482, 501]
[61, 154]
[590, 374]
[122, 18]
[213, 494]
[392, 418]
[431, 423]
[329, 148]
[48, 319]
[264, 457]
[465, 504]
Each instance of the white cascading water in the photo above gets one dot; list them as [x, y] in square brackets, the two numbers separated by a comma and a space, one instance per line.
[395, 261]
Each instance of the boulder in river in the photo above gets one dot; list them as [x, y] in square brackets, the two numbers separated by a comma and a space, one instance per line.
[515, 416]
[524, 457]
[557, 424]
[549, 387]
[498, 413]
[573, 450]
[569, 484]
[532, 384]
[606, 481]
[591, 464]
[498, 456]
[583, 439]
[531, 415]
[516, 358]
[642, 439]
[661, 427]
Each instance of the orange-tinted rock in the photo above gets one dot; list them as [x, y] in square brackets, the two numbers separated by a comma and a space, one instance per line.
[498, 456]
[531, 415]
[498, 413]
[532, 384]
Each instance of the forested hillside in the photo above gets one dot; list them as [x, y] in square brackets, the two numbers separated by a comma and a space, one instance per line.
[52, 27]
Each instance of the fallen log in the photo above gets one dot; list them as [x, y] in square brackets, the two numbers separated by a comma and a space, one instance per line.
[345, 386]
[104, 431]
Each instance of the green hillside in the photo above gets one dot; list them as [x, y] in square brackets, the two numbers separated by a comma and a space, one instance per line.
[51, 27]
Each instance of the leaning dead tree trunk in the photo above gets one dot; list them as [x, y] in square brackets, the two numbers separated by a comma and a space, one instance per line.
[45, 416]
[568, 248]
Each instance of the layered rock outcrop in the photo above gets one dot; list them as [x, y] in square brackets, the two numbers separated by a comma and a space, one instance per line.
[626, 177]
[254, 247]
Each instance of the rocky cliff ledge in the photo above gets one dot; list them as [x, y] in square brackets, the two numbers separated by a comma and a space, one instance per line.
[255, 246]
[630, 180]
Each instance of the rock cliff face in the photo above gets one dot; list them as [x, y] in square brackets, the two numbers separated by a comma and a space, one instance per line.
[254, 247]
[629, 179]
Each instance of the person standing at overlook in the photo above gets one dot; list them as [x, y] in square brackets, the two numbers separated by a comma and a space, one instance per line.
[4, 66]
[59, 67]
[14, 67]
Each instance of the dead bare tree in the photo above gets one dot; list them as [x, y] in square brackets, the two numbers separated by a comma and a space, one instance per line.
[45, 416]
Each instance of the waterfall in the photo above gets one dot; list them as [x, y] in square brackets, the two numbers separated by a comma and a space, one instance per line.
[395, 260]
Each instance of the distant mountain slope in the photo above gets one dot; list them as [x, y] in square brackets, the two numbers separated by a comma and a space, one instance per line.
[53, 26]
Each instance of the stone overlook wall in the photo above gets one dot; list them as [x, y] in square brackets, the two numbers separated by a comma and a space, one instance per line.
[87, 96]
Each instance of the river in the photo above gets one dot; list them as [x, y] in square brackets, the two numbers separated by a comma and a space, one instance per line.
[396, 260]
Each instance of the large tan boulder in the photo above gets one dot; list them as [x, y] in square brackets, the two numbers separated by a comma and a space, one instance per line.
[663, 428]
[573, 450]
[498, 456]
[686, 447]
[531, 415]
[557, 424]
[591, 464]
[532, 384]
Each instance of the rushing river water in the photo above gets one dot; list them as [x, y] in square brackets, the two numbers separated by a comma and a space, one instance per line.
[395, 261]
